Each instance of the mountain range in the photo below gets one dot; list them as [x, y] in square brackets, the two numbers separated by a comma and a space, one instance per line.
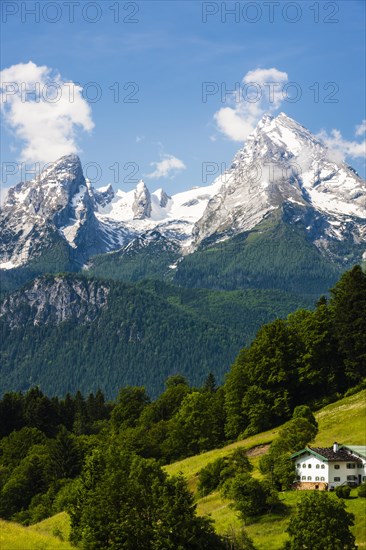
[270, 234]
[283, 174]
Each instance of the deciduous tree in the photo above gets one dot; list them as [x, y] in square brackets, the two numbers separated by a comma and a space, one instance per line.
[321, 521]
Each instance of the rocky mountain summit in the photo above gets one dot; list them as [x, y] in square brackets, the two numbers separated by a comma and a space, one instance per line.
[281, 168]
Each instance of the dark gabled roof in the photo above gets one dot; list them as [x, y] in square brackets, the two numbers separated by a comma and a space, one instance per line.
[328, 455]
[342, 455]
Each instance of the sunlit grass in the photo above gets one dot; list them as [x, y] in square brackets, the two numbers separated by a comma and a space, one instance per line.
[190, 467]
[58, 525]
[269, 532]
[16, 537]
[343, 421]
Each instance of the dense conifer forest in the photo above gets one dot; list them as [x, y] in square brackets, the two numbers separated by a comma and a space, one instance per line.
[147, 332]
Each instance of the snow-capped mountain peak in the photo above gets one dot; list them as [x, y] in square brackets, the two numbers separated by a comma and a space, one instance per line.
[281, 167]
[55, 207]
[281, 162]
[54, 185]
[283, 132]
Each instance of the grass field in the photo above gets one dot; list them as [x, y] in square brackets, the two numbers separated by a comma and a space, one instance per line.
[16, 537]
[269, 533]
[191, 466]
[58, 525]
[343, 421]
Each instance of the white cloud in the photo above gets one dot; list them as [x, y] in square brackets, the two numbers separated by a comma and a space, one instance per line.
[261, 91]
[341, 148]
[45, 121]
[361, 128]
[169, 164]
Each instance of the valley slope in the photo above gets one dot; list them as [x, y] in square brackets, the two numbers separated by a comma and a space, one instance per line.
[68, 332]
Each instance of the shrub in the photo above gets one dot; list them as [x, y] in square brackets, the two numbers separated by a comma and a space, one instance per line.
[252, 498]
[362, 490]
[209, 477]
[238, 540]
[343, 491]
[216, 473]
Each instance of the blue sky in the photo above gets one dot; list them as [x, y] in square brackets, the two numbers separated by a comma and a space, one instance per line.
[163, 53]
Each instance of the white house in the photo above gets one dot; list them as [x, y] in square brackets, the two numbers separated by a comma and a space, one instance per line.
[325, 468]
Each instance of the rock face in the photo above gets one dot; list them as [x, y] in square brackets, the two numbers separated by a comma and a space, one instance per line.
[163, 198]
[52, 300]
[104, 196]
[141, 206]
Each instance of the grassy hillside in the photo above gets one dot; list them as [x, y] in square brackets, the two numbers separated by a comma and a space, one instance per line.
[269, 533]
[16, 537]
[191, 466]
[58, 525]
[332, 427]
[343, 421]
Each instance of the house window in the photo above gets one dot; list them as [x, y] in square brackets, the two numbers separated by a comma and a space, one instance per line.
[351, 465]
[337, 479]
[317, 478]
[322, 479]
[298, 478]
[298, 465]
[322, 466]
[303, 478]
[359, 465]
[364, 478]
[336, 466]
[309, 465]
[304, 465]
[309, 478]
[317, 466]
[351, 478]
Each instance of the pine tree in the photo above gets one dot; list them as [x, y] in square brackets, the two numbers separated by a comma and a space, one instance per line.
[210, 383]
[65, 456]
[348, 306]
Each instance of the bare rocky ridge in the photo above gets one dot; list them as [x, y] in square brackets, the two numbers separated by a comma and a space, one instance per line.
[141, 207]
[53, 300]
